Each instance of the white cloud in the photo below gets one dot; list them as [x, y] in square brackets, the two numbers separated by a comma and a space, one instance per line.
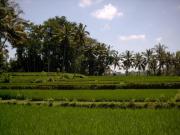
[108, 12]
[87, 3]
[132, 37]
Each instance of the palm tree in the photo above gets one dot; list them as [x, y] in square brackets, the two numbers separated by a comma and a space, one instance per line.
[80, 34]
[66, 45]
[169, 62]
[153, 64]
[177, 63]
[148, 55]
[160, 50]
[115, 58]
[139, 62]
[11, 25]
[3, 59]
[127, 60]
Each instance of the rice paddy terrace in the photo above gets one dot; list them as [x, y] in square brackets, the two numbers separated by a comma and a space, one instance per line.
[62, 103]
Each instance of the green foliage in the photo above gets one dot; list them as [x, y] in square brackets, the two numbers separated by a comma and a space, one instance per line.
[5, 78]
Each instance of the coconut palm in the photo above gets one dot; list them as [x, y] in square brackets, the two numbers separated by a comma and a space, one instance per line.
[153, 64]
[148, 55]
[67, 32]
[177, 63]
[139, 62]
[160, 50]
[11, 25]
[169, 62]
[127, 60]
[115, 58]
[80, 35]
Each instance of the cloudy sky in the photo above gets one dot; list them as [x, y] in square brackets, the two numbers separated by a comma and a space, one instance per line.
[124, 24]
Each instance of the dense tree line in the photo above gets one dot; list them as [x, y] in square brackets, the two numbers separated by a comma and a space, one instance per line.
[64, 46]
[154, 61]
[58, 44]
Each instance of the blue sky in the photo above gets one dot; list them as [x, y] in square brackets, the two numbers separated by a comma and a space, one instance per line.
[133, 25]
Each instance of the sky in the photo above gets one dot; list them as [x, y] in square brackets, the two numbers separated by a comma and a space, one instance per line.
[133, 25]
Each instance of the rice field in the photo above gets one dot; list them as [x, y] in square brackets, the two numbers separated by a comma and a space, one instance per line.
[61, 104]
[41, 120]
[69, 81]
[92, 95]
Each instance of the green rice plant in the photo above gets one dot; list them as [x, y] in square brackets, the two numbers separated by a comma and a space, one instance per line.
[90, 95]
[25, 80]
[44, 120]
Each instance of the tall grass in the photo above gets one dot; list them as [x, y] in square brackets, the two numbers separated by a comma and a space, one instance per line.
[40, 120]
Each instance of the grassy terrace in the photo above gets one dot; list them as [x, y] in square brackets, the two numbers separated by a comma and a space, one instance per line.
[43, 104]
[41, 120]
[68, 81]
[93, 95]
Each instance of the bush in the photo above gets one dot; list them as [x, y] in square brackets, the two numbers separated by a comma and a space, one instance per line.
[6, 78]
[50, 79]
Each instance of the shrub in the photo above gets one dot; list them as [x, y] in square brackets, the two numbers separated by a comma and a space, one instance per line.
[6, 78]
[50, 79]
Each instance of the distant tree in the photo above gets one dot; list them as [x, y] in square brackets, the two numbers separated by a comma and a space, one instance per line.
[148, 56]
[169, 62]
[177, 63]
[160, 50]
[127, 60]
[80, 36]
[115, 58]
[3, 59]
[139, 62]
[153, 64]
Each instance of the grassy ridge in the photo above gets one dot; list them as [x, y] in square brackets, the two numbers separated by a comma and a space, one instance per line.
[41, 120]
[68, 81]
[92, 95]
